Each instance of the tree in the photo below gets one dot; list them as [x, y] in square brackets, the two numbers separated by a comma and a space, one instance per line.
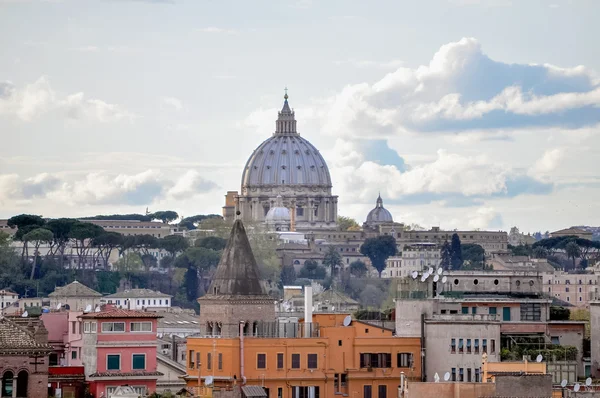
[312, 270]
[474, 255]
[192, 222]
[445, 255]
[121, 217]
[61, 229]
[165, 216]
[199, 262]
[288, 275]
[106, 242]
[358, 269]
[37, 237]
[378, 250]
[129, 263]
[456, 258]
[332, 260]
[347, 224]
[539, 252]
[24, 223]
[573, 251]
[372, 297]
[211, 242]
[143, 244]
[83, 233]
[174, 244]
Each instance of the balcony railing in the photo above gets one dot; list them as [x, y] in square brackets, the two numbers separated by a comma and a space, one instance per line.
[261, 330]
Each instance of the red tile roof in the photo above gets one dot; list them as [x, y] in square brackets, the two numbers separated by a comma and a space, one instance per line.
[120, 313]
[126, 374]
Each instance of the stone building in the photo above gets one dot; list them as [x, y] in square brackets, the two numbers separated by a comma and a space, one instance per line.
[287, 164]
[23, 360]
[74, 297]
[236, 293]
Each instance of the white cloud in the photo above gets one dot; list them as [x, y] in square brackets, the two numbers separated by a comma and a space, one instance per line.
[484, 218]
[172, 102]
[190, 184]
[33, 100]
[548, 162]
[392, 64]
[214, 29]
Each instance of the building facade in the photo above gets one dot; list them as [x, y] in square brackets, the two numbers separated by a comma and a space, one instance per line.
[119, 348]
[138, 299]
[75, 297]
[413, 257]
[576, 289]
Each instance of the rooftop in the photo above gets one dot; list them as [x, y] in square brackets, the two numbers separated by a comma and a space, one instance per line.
[74, 289]
[14, 338]
[138, 293]
[120, 313]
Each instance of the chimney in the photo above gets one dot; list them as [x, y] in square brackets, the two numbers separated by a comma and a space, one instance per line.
[308, 312]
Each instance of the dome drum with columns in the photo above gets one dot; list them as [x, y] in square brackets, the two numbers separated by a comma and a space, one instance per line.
[289, 166]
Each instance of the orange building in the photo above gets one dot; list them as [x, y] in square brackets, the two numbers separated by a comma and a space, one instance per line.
[359, 360]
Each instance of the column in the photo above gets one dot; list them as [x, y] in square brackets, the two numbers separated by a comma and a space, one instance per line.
[14, 391]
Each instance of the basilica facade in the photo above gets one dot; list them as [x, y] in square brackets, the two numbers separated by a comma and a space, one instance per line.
[286, 170]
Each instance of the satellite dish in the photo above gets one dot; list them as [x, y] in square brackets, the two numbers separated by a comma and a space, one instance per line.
[539, 358]
[58, 306]
[439, 271]
[414, 274]
[97, 309]
[347, 320]
[436, 377]
[430, 270]
[424, 278]
[332, 309]
[24, 314]
[436, 278]
[588, 381]
[563, 383]
[446, 376]
[444, 279]
[88, 308]
[577, 387]
[208, 380]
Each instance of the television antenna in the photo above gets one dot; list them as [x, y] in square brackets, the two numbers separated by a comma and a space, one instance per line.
[347, 320]
[446, 376]
[444, 279]
[436, 278]
[563, 383]
[439, 271]
[577, 387]
[588, 382]
[430, 271]
[423, 277]
[539, 358]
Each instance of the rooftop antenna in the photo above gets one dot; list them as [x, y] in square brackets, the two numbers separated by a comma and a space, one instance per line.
[588, 383]
[436, 377]
[436, 278]
[439, 271]
[563, 383]
[539, 358]
[576, 387]
[444, 279]
[347, 320]
[97, 309]
[414, 274]
[24, 314]
[88, 308]
[446, 376]
[430, 270]
[58, 306]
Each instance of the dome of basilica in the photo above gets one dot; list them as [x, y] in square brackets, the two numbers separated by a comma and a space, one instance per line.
[278, 213]
[379, 214]
[286, 158]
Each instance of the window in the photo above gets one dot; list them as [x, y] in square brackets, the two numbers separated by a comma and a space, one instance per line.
[279, 392]
[453, 346]
[461, 374]
[461, 349]
[506, 314]
[113, 362]
[305, 392]
[453, 374]
[312, 361]
[280, 360]
[404, 359]
[465, 310]
[555, 340]
[340, 343]
[476, 346]
[567, 289]
[141, 326]
[468, 346]
[295, 361]
[477, 376]
[379, 360]
[144, 302]
[493, 346]
[73, 326]
[468, 375]
[138, 362]
[209, 361]
[531, 311]
[474, 310]
[86, 327]
[113, 327]
[73, 354]
[261, 361]
[367, 393]
[382, 392]
[220, 361]
[191, 365]
[166, 302]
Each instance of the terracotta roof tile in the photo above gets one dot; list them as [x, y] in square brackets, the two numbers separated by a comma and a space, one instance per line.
[14, 338]
[74, 289]
[125, 374]
[120, 313]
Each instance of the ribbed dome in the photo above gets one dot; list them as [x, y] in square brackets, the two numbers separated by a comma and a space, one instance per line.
[278, 213]
[379, 214]
[286, 158]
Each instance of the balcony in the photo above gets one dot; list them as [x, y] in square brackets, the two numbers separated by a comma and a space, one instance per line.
[262, 330]
[465, 317]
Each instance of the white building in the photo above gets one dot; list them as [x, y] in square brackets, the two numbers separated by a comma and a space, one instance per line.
[138, 299]
[414, 257]
[7, 298]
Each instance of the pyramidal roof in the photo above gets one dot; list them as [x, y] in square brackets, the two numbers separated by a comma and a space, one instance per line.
[237, 273]
[74, 289]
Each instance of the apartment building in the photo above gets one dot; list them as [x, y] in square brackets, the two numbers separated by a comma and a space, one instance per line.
[412, 257]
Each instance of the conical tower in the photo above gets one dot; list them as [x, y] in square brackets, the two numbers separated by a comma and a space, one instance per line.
[236, 293]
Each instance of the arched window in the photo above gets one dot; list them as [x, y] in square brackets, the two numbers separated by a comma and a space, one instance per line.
[255, 328]
[22, 381]
[209, 328]
[7, 384]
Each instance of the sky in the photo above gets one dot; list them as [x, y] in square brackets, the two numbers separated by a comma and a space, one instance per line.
[462, 113]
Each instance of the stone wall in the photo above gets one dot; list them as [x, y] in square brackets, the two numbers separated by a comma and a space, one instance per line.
[230, 313]
[37, 383]
[525, 386]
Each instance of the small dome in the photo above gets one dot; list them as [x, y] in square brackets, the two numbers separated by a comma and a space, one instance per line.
[379, 214]
[278, 213]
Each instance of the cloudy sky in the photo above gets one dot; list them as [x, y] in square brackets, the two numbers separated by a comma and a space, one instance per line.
[463, 113]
